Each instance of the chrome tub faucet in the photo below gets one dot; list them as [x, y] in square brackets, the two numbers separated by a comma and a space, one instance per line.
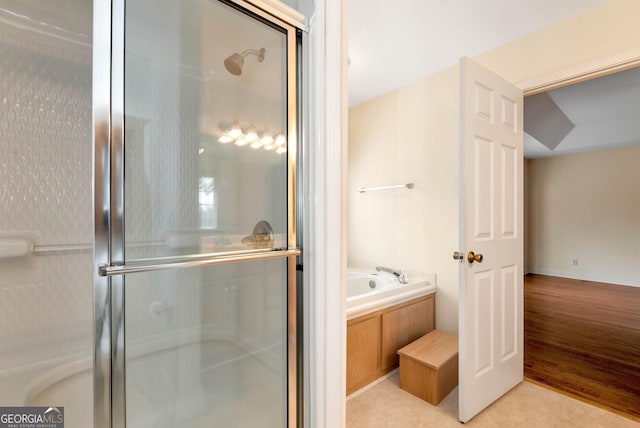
[402, 277]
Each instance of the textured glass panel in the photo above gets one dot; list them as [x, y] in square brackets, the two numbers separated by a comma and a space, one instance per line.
[191, 121]
[206, 346]
[46, 206]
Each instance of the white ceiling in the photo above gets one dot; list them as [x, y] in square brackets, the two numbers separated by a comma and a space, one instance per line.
[395, 42]
[604, 112]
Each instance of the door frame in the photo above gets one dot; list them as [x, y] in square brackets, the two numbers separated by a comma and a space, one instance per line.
[325, 244]
[579, 73]
[589, 70]
[109, 398]
[330, 120]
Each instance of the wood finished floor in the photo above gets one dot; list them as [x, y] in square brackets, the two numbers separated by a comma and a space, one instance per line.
[583, 338]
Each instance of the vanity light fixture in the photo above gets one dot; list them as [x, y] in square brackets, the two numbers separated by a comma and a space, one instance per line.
[243, 135]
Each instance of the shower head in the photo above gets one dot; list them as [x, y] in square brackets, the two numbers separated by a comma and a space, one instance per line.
[235, 61]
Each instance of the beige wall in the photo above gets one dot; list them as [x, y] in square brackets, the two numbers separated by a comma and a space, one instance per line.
[411, 134]
[586, 207]
[408, 135]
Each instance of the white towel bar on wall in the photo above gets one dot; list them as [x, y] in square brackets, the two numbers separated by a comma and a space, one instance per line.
[397, 186]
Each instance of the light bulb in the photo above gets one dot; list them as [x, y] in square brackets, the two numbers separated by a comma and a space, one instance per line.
[267, 139]
[256, 145]
[281, 150]
[225, 139]
[281, 140]
[268, 147]
[200, 150]
[241, 142]
[235, 132]
[251, 135]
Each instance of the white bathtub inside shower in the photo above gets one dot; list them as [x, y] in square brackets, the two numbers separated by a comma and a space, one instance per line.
[369, 290]
[154, 396]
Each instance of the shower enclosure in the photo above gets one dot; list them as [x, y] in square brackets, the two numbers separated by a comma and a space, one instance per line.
[148, 254]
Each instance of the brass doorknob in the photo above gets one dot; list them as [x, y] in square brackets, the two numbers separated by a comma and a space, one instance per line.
[472, 257]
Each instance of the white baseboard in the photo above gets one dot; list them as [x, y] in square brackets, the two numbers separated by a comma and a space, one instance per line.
[585, 276]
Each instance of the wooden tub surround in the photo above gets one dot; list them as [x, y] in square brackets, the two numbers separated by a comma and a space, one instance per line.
[374, 339]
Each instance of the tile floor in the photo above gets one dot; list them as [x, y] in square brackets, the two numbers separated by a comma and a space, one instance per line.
[386, 406]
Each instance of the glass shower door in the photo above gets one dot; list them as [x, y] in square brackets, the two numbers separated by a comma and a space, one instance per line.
[201, 231]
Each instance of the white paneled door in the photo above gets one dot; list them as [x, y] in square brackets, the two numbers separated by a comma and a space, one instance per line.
[491, 305]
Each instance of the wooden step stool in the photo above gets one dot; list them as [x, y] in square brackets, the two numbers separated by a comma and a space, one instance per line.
[429, 366]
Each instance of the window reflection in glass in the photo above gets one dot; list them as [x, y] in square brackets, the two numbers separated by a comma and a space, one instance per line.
[207, 200]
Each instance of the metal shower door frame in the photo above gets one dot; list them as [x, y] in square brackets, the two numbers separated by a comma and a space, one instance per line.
[109, 371]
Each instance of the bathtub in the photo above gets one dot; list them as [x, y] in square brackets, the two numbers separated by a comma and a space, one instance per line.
[369, 291]
[196, 394]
